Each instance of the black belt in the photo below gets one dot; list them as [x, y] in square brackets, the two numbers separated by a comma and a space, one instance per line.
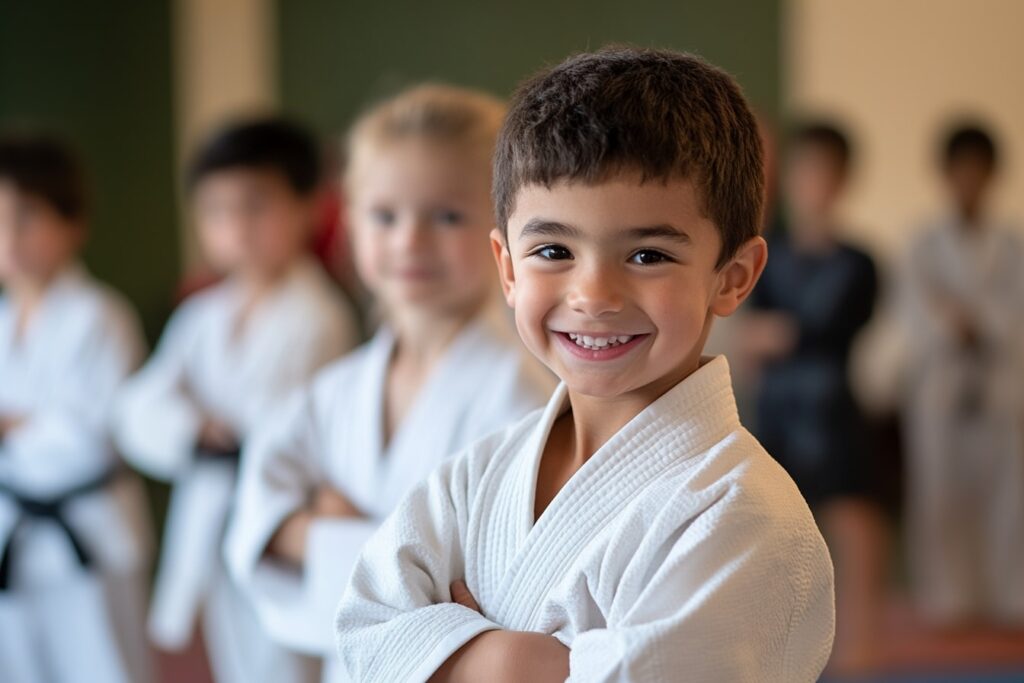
[53, 510]
[222, 455]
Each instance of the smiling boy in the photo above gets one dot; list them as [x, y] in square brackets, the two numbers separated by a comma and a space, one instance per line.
[633, 530]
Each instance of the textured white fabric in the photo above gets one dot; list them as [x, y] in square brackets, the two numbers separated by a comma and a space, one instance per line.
[332, 433]
[965, 423]
[204, 366]
[680, 549]
[61, 373]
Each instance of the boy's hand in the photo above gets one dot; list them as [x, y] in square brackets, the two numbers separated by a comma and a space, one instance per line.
[8, 423]
[958, 318]
[768, 336]
[503, 655]
[329, 502]
[962, 324]
[462, 596]
[216, 436]
[289, 541]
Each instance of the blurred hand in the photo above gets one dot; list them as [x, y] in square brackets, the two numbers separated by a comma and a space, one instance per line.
[957, 315]
[329, 502]
[964, 328]
[216, 436]
[8, 423]
[768, 336]
[289, 541]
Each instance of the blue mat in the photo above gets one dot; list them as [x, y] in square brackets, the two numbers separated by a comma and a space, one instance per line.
[1015, 676]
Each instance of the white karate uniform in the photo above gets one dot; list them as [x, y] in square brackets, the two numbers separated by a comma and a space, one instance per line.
[965, 424]
[203, 366]
[59, 619]
[679, 550]
[333, 432]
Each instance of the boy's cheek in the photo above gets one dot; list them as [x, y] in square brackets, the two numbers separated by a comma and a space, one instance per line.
[532, 303]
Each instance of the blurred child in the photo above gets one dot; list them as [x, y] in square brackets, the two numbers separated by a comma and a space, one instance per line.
[816, 294]
[633, 530]
[227, 356]
[73, 529]
[964, 298]
[445, 369]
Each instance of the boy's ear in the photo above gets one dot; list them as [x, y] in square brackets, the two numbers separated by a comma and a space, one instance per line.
[503, 259]
[312, 206]
[80, 230]
[737, 278]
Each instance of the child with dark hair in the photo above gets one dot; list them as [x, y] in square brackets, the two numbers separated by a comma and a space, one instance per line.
[815, 296]
[631, 530]
[228, 355]
[964, 304]
[73, 536]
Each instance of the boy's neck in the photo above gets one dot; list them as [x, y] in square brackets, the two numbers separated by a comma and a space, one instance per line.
[590, 423]
[255, 283]
[27, 294]
[971, 217]
[27, 291]
[421, 337]
[595, 420]
[421, 340]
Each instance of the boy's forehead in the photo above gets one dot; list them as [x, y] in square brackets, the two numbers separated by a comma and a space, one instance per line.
[418, 177]
[970, 160]
[14, 198]
[618, 202]
[8, 191]
[241, 178]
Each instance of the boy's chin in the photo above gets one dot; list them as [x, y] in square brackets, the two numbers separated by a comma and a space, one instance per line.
[599, 387]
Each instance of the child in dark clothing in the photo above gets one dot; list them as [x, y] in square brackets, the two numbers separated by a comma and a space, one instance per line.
[817, 293]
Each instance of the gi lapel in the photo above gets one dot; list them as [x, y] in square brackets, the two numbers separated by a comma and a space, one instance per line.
[686, 421]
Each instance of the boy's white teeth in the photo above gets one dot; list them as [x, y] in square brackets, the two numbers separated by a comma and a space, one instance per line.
[597, 343]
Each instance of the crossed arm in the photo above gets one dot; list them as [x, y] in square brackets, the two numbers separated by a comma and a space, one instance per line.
[289, 541]
[503, 655]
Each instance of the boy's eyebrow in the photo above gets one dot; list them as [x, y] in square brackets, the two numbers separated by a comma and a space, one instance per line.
[663, 230]
[541, 227]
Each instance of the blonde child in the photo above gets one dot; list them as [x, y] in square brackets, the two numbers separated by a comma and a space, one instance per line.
[444, 369]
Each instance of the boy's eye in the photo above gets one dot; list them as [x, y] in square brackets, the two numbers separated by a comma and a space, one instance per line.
[646, 257]
[448, 217]
[552, 252]
[383, 217]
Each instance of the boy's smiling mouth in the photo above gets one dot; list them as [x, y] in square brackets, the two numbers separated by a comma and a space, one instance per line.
[596, 343]
[599, 346]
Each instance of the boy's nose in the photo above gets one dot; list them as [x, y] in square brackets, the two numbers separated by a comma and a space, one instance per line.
[412, 235]
[595, 293]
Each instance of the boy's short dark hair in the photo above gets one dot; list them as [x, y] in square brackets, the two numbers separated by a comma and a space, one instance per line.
[969, 140]
[46, 168]
[268, 143]
[824, 135]
[666, 114]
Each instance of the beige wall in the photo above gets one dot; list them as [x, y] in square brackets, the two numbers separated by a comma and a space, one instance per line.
[224, 66]
[896, 71]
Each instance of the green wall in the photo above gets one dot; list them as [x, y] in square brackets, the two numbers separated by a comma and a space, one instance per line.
[335, 56]
[99, 73]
